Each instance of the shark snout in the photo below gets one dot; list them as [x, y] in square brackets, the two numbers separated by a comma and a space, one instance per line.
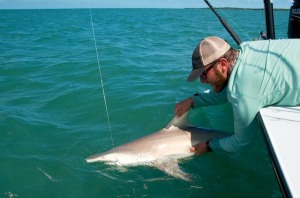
[102, 157]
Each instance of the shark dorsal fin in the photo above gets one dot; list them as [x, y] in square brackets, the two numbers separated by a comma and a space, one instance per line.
[180, 122]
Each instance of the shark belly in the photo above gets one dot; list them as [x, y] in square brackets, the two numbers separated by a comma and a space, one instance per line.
[148, 149]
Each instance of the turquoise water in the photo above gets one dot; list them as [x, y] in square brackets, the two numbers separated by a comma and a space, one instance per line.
[53, 113]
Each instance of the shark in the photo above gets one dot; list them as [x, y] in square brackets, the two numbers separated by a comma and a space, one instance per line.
[162, 149]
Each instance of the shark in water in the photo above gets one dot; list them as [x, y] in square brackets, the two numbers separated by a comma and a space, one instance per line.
[161, 149]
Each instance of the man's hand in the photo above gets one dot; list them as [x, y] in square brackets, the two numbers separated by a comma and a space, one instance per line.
[183, 106]
[199, 148]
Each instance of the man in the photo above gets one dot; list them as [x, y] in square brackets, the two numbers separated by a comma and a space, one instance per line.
[259, 74]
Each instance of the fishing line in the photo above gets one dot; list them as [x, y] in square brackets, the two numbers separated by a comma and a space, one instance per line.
[101, 78]
[236, 25]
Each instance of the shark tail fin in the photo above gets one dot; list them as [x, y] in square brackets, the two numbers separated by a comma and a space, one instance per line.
[180, 122]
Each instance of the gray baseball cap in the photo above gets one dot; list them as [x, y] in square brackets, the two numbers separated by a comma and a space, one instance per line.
[207, 51]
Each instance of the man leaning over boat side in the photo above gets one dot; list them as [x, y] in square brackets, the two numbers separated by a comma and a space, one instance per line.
[258, 74]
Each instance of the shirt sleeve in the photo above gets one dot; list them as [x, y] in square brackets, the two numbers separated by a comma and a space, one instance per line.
[234, 143]
[244, 111]
[208, 97]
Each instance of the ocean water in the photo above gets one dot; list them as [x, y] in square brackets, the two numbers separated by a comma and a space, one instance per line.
[53, 109]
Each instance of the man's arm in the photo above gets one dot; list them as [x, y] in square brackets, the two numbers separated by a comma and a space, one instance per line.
[208, 98]
[236, 142]
[205, 98]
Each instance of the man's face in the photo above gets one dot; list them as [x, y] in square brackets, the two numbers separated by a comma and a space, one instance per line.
[216, 75]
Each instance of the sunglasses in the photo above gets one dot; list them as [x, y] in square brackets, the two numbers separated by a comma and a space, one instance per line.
[204, 73]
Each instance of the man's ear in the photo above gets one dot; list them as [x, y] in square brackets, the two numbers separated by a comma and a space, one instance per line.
[224, 65]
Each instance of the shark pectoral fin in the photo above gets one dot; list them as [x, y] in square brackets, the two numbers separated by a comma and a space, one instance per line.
[170, 166]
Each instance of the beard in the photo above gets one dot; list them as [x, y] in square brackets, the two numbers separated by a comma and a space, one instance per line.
[220, 82]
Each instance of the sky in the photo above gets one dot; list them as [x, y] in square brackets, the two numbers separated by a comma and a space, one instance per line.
[43, 4]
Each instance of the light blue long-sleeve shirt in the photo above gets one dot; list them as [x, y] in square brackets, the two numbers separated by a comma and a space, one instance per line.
[266, 73]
